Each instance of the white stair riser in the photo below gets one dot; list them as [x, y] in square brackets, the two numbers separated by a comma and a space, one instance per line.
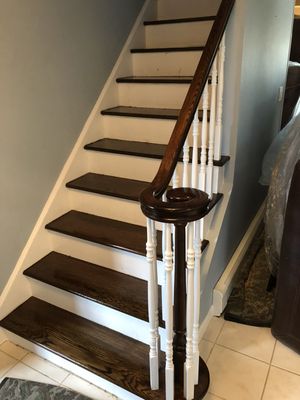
[102, 315]
[109, 257]
[124, 166]
[160, 95]
[133, 167]
[138, 129]
[178, 35]
[108, 207]
[153, 95]
[187, 8]
[162, 64]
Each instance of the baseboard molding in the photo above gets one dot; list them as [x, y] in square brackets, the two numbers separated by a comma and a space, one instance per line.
[224, 286]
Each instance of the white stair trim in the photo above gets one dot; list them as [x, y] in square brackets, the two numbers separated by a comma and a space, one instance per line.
[18, 289]
[224, 286]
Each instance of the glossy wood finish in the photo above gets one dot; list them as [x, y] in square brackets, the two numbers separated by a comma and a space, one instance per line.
[140, 149]
[106, 353]
[114, 186]
[176, 143]
[168, 49]
[93, 282]
[180, 20]
[179, 341]
[105, 231]
[143, 112]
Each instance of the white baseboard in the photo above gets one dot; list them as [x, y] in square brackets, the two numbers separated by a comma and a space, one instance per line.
[224, 286]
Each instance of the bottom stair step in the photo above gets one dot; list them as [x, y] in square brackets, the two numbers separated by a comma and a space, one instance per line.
[106, 353]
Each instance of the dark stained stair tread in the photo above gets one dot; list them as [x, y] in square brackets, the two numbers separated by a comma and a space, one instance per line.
[180, 20]
[119, 359]
[93, 282]
[145, 112]
[167, 49]
[105, 231]
[155, 79]
[138, 149]
[108, 354]
[129, 189]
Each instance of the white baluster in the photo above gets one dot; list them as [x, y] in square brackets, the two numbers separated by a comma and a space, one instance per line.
[203, 155]
[175, 180]
[189, 370]
[212, 124]
[220, 90]
[169, 313]
[163, 288]
[197, 247]
[195, 150]
[153, 305]
[186, 159]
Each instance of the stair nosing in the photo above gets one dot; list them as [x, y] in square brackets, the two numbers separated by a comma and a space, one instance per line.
[140, 112]
[217, 163]
[155, 80]
[72, 185]
[167, 49]
[179, 20]
[102, 242]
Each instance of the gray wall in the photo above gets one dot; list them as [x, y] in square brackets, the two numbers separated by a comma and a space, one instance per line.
[55, 56]
[258, 42]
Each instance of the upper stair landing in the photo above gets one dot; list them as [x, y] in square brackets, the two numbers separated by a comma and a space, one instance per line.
[186, 8]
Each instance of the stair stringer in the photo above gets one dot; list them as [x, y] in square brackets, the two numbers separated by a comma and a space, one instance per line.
[18, 287]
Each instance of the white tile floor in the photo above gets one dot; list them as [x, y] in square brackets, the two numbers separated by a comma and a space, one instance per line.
[245, 363]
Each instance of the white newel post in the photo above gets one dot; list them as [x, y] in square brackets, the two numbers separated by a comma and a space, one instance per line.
[218, 135]
[169, 313]
[153, 305]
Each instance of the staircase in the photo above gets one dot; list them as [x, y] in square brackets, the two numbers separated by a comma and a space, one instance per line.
[80, 288]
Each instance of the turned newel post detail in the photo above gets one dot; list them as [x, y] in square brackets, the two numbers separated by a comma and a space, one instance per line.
[179, 341]
[180, 212]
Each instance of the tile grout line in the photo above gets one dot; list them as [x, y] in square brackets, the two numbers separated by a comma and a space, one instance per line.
[243, 354]
[20, 361]
[215, 342]
[269, 369]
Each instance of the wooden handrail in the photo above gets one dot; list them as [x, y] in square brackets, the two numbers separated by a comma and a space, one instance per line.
[150, 199]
